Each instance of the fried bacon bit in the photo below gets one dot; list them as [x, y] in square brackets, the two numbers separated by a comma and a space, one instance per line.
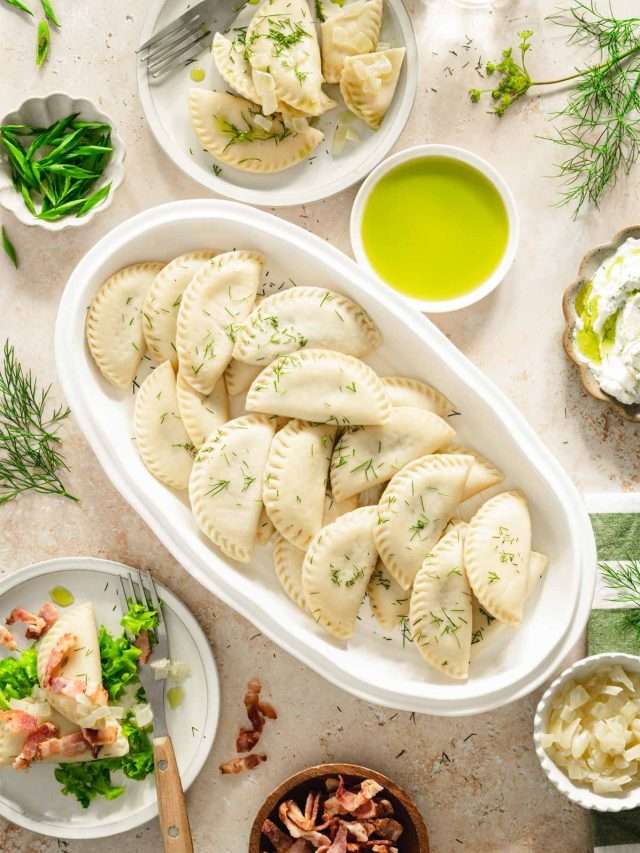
[19, 722]
[256, 712]
[7, 639]
[37, 624]
[247, 739]
[143, 642]
[32, 743]
[67, 686]
[68, 746]
[301, 846]
[335, 825]
[59, 656]
[339, 844]
[242, 763]
[357, 803]
[95, 739]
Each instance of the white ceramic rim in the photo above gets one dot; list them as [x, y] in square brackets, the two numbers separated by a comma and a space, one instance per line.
[439, 306]
[95, 433]
[116, 163]
[582, 796]
[208, 733]
[280, 198]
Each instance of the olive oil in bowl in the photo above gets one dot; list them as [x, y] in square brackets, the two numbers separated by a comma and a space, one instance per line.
[436, 229]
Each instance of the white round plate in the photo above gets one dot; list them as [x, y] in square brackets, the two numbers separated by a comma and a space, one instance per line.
[321, 175]
[33, 799]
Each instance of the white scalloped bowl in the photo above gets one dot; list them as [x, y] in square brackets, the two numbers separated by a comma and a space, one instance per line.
[42, 111]
[578, 794]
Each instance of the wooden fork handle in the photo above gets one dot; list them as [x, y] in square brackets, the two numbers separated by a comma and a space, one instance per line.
[172, 807]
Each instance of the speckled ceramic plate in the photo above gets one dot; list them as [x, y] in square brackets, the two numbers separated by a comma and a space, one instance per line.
[375, 664]
[587, 269]
[33, 799]
[322, 174]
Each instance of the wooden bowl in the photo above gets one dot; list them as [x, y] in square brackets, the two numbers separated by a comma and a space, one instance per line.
[587, 269]
[414, 839]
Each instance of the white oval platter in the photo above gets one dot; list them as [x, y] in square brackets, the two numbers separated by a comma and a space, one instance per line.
[377, 667]
[33, 799]
[322, 174]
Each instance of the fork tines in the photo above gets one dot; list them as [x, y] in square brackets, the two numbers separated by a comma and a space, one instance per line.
[142, 590]
[177, 42]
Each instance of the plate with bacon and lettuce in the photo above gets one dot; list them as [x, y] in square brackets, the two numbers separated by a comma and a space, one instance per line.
[76, 757]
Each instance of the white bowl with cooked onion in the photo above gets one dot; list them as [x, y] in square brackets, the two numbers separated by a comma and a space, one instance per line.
[587, 732]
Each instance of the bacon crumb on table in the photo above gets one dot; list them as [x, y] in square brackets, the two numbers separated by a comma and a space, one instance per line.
[337, 819]
[257, 712]
[242, 763]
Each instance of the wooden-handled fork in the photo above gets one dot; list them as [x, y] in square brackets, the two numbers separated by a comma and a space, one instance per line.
[172, 808]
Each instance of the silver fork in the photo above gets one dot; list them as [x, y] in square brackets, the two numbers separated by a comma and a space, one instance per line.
[180, 40]
[172, 808]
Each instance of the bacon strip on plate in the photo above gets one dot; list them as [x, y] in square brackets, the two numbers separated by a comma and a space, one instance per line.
[32, 743]
[143, 642]
[37, 624]
[59, 656]
[7, 639]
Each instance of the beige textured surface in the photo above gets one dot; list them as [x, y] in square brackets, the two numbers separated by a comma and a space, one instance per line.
[477, 780]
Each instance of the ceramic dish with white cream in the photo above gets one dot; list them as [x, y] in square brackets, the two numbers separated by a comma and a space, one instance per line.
[602, 312]
[376, 661]
[438, 224]
[587, 732]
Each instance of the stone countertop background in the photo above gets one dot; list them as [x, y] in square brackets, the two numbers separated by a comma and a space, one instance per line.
[477, 779]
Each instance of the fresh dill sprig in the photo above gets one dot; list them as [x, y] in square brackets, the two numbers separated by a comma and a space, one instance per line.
[599, 125]
[623, 578]
[30, 458]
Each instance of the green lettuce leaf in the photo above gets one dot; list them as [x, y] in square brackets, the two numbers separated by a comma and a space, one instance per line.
[18, 676]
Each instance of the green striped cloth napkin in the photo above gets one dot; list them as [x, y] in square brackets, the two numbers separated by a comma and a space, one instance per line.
[616, 525]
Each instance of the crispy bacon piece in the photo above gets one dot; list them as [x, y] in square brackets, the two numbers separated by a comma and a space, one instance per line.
[256, 712]
[32, 744]
[37, 624]
[19, 722]
[242, 763]
[352, 802]
[69, 746]
[59, 656]
[386, 827]
[339, 843]
[143, 642]
[281, 842]
[7, 639]
[301, 845]
[48, 612]
[95, 739]
[71, 687]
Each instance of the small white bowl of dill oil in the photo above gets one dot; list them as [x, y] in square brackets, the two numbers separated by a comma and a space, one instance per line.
[438, 224]
[61, 161]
